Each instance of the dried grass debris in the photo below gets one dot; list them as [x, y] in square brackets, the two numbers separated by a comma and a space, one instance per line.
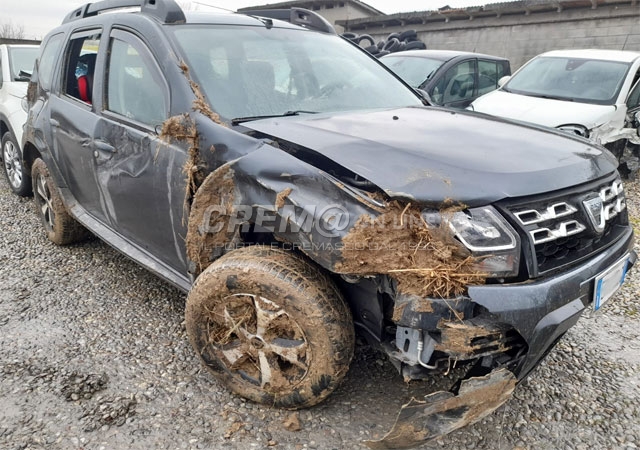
[425, 261]
[200, 104]
[182, 128]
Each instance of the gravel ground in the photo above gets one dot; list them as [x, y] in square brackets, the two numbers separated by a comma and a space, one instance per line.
[94, 355]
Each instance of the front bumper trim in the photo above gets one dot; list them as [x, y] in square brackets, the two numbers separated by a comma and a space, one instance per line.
[442, 412]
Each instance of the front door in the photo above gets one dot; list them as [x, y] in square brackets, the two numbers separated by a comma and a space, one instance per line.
[140, 176]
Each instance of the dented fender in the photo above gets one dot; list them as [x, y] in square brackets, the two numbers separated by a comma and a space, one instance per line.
[284, 193]
[606, 133]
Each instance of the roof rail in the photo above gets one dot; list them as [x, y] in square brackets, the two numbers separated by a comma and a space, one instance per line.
[167, 11]
[297, 16]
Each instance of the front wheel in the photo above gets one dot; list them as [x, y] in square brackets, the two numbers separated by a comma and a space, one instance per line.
[271, 327]
[17, 176]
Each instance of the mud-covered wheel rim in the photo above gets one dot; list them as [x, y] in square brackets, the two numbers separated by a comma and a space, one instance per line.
[259, 342]
[12, 164]
[44, 200]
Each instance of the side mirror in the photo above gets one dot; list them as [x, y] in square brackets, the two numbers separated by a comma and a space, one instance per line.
[23, 76]
[502, 81]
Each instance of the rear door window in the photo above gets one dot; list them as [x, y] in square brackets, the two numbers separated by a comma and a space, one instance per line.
[489, 72]
[80, 64]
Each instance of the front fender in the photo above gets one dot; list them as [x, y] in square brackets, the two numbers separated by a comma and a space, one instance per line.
[299, 204]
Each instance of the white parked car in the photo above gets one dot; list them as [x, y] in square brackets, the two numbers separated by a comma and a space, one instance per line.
[16, 64]
[592, 93]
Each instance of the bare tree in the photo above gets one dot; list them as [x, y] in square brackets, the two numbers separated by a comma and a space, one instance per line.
[10, 31]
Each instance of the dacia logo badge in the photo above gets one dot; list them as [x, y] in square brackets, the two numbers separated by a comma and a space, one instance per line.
[595, 211]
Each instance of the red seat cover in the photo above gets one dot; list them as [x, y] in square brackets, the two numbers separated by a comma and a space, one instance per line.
[83, 89]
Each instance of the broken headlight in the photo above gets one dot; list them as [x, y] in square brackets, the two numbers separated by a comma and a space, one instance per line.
[487, 235]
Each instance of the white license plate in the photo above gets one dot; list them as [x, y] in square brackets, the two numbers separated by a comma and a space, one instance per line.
[608, 282]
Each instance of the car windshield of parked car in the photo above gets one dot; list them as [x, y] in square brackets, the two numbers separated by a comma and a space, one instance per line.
[572, 79]
[259, 71]
[22, 60]
[413, 70]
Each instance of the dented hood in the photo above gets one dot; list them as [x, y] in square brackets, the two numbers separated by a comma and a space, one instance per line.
[433, 154]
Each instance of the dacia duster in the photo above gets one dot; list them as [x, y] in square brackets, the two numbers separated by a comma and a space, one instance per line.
[299, 191]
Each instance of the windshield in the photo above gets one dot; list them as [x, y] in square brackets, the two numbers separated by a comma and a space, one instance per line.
[21, 59]
[415, 71]
[573, 79]
[256, 71]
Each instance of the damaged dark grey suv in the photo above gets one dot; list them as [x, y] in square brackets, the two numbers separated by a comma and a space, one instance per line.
[299, 192]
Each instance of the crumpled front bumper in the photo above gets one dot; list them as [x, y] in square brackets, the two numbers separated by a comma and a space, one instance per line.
[443, 412]
[540, 311]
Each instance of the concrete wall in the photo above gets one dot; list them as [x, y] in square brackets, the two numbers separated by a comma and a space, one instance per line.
[519, 37]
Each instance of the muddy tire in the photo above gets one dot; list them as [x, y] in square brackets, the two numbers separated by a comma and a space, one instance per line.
[17, 175]
[61, 228]
[271, 327]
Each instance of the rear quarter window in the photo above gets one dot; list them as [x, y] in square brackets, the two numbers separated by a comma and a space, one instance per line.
[48, 60]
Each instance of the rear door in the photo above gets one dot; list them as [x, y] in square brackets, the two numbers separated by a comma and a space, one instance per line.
[73, 122]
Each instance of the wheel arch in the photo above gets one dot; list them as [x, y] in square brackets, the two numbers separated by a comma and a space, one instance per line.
[29, 154]
[286, 199]
[4, 127]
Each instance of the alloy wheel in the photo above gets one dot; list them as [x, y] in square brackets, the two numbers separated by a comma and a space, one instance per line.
[44, 201]
[12, 164]
[259, 341]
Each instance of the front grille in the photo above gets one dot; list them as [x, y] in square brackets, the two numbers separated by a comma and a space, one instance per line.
[569, 226]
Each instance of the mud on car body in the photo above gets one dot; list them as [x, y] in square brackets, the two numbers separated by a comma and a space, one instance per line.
[299, 191]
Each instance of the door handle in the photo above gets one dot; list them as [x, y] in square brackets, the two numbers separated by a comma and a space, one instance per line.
[104, 146]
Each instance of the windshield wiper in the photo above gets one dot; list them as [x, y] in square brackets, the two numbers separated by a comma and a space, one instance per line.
[553, 97]
[297, 112]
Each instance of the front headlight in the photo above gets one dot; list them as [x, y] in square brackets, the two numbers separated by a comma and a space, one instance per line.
[487, 235]
[575, 129]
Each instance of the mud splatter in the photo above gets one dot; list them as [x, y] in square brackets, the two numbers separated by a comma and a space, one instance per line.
[425, 261]
[200, 104]
[292, 422]
[281, 197]
[182, 128]
[208, 230]
[470, 338]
